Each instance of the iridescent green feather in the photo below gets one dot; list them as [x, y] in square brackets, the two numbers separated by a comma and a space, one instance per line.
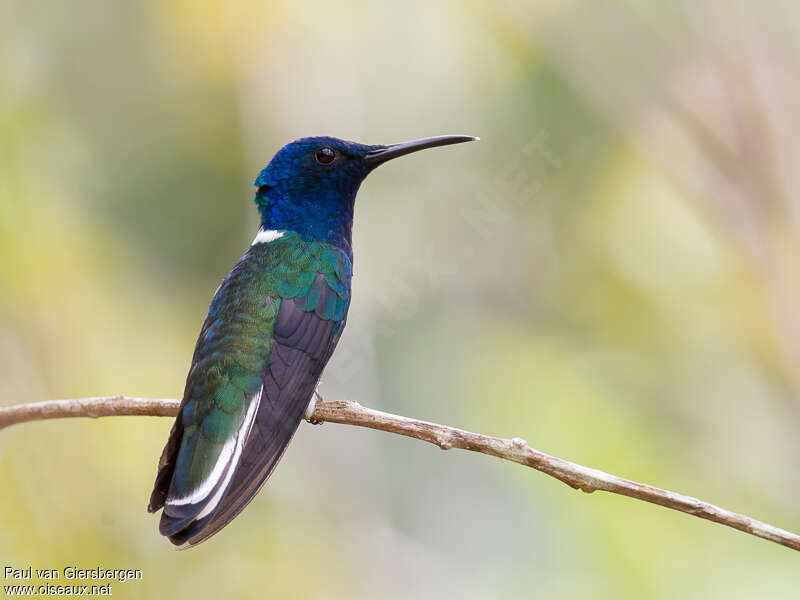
[232, 352]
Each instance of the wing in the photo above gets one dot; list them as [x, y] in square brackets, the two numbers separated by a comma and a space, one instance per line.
[205, 481]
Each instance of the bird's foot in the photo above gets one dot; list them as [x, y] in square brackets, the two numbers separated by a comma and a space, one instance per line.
[309, 414]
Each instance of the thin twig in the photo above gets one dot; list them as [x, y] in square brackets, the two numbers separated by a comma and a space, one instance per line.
[351, 413]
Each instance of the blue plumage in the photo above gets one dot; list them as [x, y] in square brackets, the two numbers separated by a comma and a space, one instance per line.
[297, 193]
[271, 328]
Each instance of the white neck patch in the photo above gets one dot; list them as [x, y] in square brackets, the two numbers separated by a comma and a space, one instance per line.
[265, 236]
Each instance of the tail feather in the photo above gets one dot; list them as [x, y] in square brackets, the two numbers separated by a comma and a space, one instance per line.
[302, 344]
[181, 512]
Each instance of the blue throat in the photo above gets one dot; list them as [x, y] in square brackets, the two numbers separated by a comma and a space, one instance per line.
[326, 216]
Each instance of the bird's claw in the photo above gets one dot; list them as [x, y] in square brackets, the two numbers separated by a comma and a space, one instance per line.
[309, 414]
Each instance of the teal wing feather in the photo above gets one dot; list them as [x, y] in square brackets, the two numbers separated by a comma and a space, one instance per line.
[271, 328]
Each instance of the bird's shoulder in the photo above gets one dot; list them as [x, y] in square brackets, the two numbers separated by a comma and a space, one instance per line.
[285, 267]
[234, 344]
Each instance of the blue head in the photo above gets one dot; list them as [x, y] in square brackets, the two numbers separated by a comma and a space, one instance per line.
[310, 185]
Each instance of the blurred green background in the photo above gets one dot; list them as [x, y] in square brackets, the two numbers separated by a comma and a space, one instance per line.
[611, 273]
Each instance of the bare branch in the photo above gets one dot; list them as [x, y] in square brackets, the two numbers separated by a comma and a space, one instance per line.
[351, 413]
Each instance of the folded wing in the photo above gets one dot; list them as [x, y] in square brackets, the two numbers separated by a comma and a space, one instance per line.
[216, 461]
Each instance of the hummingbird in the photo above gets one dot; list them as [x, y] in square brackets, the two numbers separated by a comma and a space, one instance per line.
[271, 327]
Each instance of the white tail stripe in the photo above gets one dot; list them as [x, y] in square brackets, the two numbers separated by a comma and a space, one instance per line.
[207, 484]
[230, 453]
[244, 432]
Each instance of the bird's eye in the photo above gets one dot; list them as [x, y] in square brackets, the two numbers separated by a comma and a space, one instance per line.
[325, 155]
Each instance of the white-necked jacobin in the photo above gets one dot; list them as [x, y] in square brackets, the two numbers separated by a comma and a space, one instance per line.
[271, 328]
